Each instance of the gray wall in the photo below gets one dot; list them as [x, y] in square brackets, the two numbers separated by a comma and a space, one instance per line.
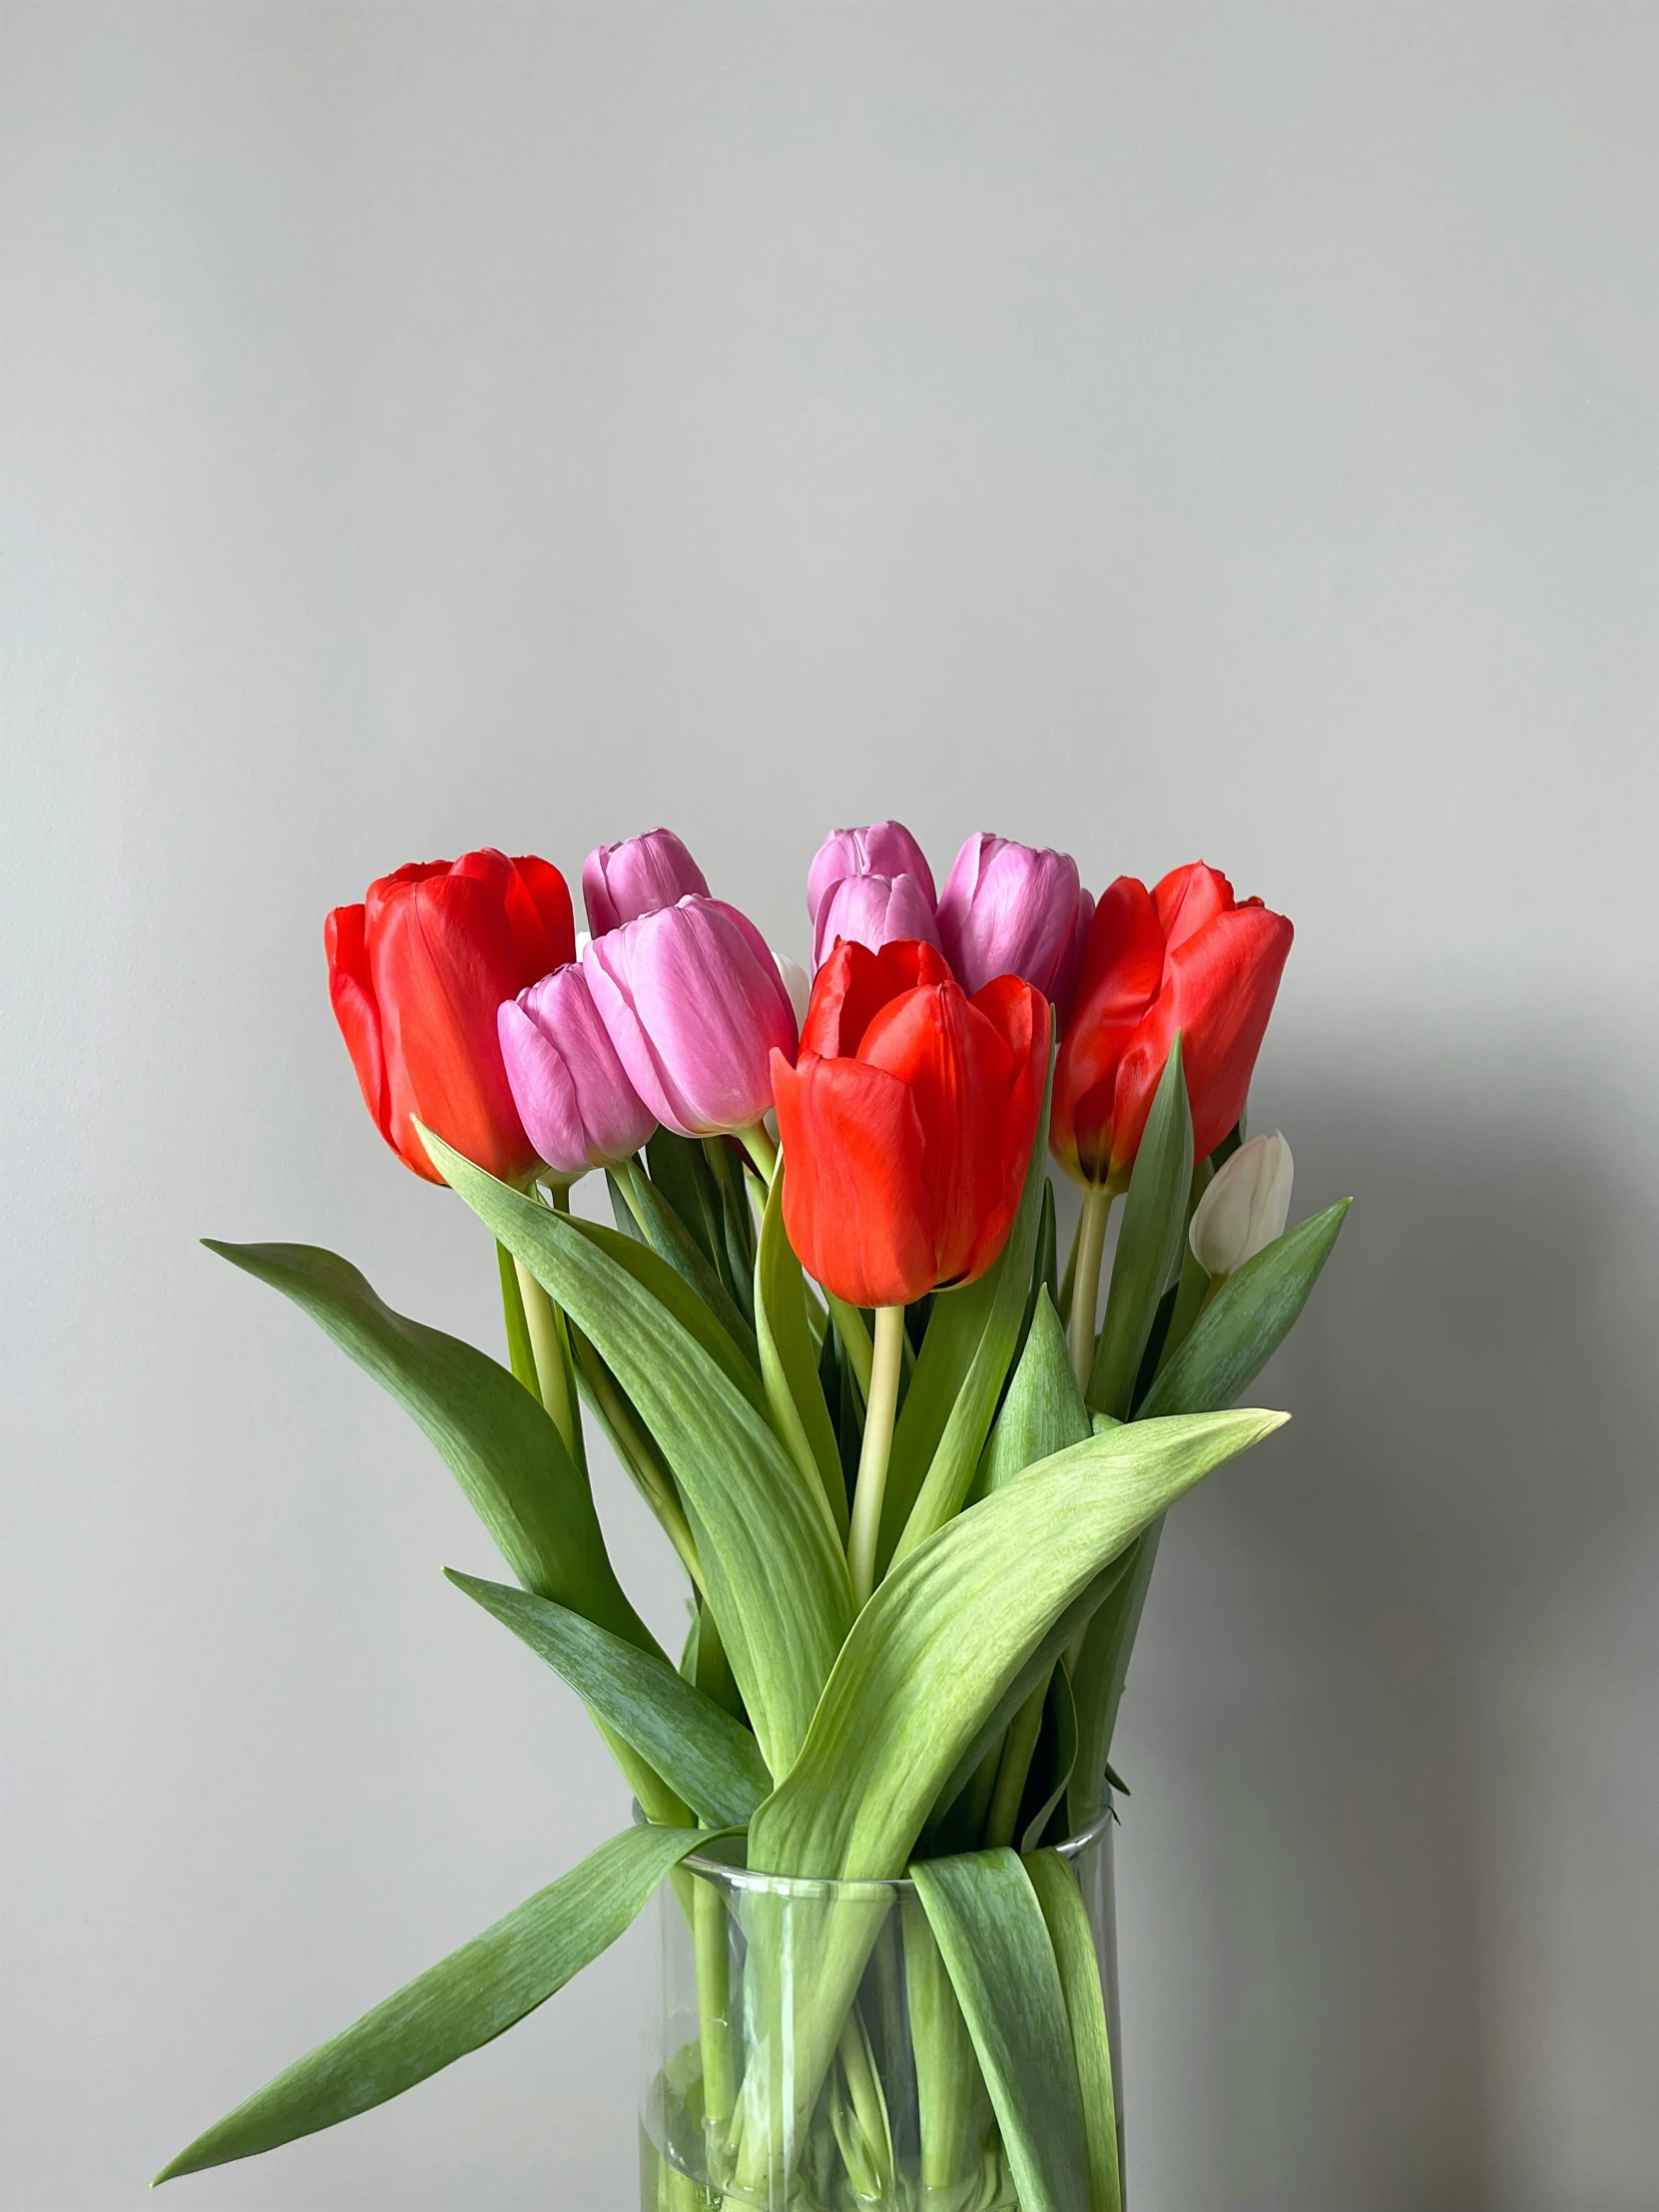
[1155, 433]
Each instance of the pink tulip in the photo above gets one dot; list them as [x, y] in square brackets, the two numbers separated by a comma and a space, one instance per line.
[872, 910]
[1007, 910]
[870, 887]
[573, 1095]
[882, 849]
[693, 1003]
[638, 877]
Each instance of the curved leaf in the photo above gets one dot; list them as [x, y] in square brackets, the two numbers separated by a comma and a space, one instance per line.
[1068, 1920]
[708, 1758]
[1247, 1320]
[775, 1571]
[1149, 1243]
[493, 1435]
[789, 1362]
[676, 1296]
[997, 1949]
[467, 2000]
[946, 1635]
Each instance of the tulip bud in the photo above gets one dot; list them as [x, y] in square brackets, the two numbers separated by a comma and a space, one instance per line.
[1011, 909]
[874, 910]
[691, 999]
[882, 849]
[640, 875]
[1245, 1207]
[573, 1096]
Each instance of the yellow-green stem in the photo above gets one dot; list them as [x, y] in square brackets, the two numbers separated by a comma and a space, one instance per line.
[1085, 1290]
[758, 1143]
[885, 1368]
[541, 1318]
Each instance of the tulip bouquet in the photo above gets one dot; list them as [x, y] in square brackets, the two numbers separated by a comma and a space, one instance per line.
[914, 1475]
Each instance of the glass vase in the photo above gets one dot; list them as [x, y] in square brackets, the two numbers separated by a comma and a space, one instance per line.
[808, 2053]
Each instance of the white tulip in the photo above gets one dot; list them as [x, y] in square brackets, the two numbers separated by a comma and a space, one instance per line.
[1245, 1207]
[797, 982]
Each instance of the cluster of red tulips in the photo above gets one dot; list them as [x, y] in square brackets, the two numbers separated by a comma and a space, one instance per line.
[906, 1085]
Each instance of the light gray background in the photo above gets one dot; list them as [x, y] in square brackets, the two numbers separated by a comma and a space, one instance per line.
[1162, 433]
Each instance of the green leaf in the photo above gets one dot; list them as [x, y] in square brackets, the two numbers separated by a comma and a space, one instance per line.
[681, 1173]
[467, 2000]
[521, 1357]
[955, 1391]
[714, 1764]
[678, 1299]
[493, 1435]
[788, 1361]
[1056, 1757]
[671, 1240]
[1149, 1243]
[1043, 1411]
[950, 1631]
[774, 1566]
[954, 2111]
[1068, 1920]
[1099, 1673]
[996, 1947]
[1247, 1320]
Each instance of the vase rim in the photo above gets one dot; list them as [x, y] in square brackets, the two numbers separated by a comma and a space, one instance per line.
[820, 1886]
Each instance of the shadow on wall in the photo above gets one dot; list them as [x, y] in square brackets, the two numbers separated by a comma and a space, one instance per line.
[1308, 1954]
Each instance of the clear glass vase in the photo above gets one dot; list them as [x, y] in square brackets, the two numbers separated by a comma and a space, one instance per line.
[808, 2052]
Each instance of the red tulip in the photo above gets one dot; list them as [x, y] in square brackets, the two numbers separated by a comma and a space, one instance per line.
[1184, 957]
[907, 1122]
[416, 974]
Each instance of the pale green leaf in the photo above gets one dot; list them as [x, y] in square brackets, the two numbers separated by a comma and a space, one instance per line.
[1043, 1411]
[1059, 1719]
[678, 1299]
[1149, 1243]
[1067, 1921]
[467, 2000]
[775, 1571]
[1098, 1675]
[493, 1435]
[668, 1236]
[789, 1362]
[708, 1758]
[996, 1947]
[1247, 1320]
[947, 1636]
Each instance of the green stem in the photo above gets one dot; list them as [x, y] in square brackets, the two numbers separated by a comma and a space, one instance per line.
[1015, 1764]
[761, 1149]
[714, 2000]
[886, 1366]
[541, 1318]
[1085, 1294]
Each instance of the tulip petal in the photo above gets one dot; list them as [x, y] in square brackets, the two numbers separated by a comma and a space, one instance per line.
[1123, 967]
[874, 910]
[1009, 910]
[352, 992]
[444, 958]
[856, 1200]
[693, 1004]
[854, 983]
[881, 848]
[1188, 898]
[958, 1072]
[1219, 988]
